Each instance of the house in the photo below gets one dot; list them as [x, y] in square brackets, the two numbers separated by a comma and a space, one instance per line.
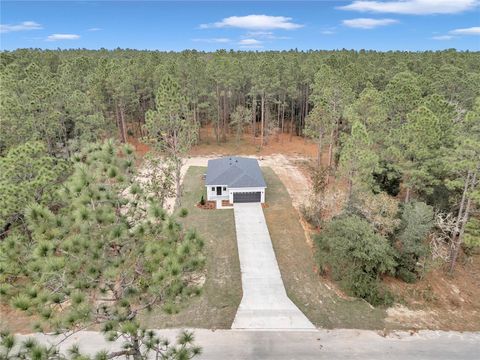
[236, 179]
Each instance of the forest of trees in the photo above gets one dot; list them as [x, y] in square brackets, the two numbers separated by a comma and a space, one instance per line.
[396, 125]
[80, 95]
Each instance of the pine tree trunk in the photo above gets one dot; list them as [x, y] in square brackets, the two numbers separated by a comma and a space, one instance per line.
[178, 180]
[196, 120]
[462, 218]
[262, 119]
[319, 155]
[350, 189]
[121, 123]
[224, 130]
[306, 108]
[291, 120]
[217, 125]
[278, 119]
[302, 112]
[117, 122]
[330, 148]
[137, 354]
[254, 117]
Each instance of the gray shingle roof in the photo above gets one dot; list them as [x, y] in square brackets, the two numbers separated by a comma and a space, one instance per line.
[235, 172]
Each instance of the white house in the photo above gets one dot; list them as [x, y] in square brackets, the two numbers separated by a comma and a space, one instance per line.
[236, 179]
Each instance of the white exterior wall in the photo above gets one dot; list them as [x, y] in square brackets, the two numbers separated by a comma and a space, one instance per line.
[228, 194]
[212, 195]
[247, 189]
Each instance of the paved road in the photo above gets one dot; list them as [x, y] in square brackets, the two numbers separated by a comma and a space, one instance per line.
[309, 345]
[265, 304]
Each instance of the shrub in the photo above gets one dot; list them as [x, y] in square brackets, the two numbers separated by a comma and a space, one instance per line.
[380, 210]
[357, 257]
[407, 276]
[202, 201]
[471, 239]
[416, 222]
[387, 178]
[183, 212]
[319, 177]
[312, 213]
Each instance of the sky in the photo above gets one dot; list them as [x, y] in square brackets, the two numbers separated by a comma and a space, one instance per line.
[411, 25]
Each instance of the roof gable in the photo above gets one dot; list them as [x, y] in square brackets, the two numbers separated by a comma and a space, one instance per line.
[234, 172]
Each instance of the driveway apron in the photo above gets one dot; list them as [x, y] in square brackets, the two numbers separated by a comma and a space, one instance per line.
[265, 304]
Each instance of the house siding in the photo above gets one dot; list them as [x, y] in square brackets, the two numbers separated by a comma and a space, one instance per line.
[212, 195]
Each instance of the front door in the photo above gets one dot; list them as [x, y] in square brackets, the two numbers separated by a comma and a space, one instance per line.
[219, 190]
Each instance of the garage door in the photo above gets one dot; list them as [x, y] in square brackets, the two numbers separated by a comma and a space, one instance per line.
[245, 197]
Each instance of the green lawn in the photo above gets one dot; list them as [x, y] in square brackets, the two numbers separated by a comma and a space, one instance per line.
[222, 292]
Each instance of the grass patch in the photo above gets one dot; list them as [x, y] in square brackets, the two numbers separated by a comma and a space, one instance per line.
[297, 265]
[217, 304]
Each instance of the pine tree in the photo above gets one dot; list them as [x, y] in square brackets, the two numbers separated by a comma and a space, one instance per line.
[28, 174]
[358, 161]
[422, 139]
[370, 110]
[332, 93]
[402, 96]
[105, 254]
[170, 129]
[316, 126]
[464, 166]
[240, 118]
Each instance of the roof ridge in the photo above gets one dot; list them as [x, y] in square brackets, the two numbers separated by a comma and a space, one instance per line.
[226, 170]
[235, 171]
[242, 175]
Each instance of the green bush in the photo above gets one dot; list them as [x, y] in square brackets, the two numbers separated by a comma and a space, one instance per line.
[357, 257]
[387, 178]
[407, 276]
[472, 234]
[202, 201]
[183, 212]
[417, 221]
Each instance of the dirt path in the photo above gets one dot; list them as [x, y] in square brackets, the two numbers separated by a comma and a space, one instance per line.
[297, 184]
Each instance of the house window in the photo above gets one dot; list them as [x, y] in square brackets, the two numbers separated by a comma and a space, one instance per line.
[224, 188]
[213, 188]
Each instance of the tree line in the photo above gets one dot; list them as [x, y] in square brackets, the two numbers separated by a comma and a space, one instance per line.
[69, 96]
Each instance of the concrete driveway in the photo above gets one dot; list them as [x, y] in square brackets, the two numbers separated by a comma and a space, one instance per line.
[265, 304]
